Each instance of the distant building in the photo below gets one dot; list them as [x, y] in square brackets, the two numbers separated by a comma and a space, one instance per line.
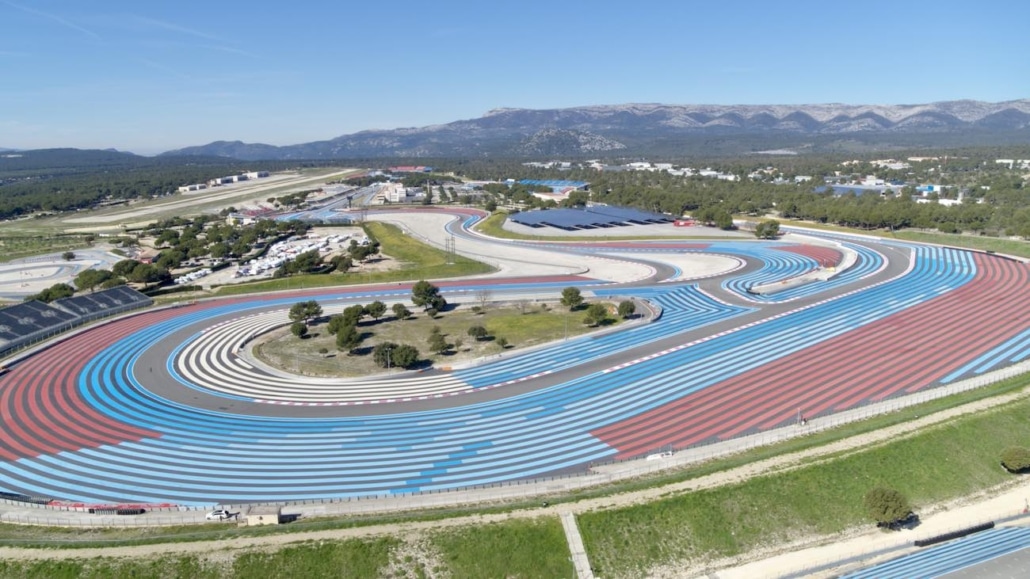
[234, 219]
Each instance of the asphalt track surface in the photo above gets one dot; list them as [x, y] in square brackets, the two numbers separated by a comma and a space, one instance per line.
[159, 408]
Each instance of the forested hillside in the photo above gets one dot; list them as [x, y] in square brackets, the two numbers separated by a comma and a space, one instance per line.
[70, 179]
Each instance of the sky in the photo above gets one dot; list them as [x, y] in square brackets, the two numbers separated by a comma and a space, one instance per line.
[147, 77]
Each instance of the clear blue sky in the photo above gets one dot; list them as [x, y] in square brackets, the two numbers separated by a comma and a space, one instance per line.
[152, 76]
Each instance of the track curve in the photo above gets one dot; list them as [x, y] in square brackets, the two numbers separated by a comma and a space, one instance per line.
[156, 408]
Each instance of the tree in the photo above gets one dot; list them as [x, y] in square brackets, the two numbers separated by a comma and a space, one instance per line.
[145, 273]
[483, 297]
[342, 263]
[382, 354]
[425, 294]
[627, 308]
[306, 262]
[767, 229]
[347, 338]
[124, 267]
[353, 314]
[571, 297]
[1015, 459]
[304, 311]
[577, 199]
[722, 219]
[477, 333]
[359, 252]
[91, 278]
[54, 292]
[401, 312]
[887, 506]
[218, 250]
[438, 303]
[68, 255]
[299, 329]
[490, 205]
[596, 314]
[458, 343]
[438, 344]
[406, 356]
[376, 309]
[336, 323]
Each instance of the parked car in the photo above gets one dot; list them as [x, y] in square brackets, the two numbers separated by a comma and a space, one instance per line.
[219, 515]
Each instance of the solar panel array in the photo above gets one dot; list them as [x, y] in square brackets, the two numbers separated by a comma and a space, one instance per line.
[556, 184]
[593, 217]
[31, 321]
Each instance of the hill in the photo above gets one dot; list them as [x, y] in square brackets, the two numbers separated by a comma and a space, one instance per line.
[666, 129]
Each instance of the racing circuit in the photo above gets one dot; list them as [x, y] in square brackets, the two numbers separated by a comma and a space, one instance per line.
[160, 407]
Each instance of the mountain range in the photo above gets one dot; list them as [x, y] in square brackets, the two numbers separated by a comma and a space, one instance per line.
[649, 128]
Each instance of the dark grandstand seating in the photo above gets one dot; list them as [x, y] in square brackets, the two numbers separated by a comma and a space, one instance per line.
[103, 303]
[29, 322]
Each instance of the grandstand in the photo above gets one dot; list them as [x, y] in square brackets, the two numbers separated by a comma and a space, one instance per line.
[29, 322]
[103, 303]
[592, 217]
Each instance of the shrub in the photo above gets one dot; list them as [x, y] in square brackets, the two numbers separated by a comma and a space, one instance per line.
[887, 506]
[401, 312]
[596, 314]
[1015, 459]
[438, 344]
[299, 329]
[627, 308]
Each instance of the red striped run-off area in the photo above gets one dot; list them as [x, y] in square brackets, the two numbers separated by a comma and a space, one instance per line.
[41, 408]
[826, 256]
[899, 354]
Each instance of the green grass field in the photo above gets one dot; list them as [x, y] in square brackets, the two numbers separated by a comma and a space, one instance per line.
[536, 326]
[996, 244]
[358, 559]
[938, 464]
[528, 548]
[18, 246]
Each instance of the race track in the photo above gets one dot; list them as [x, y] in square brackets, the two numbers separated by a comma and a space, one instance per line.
[159, 406]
